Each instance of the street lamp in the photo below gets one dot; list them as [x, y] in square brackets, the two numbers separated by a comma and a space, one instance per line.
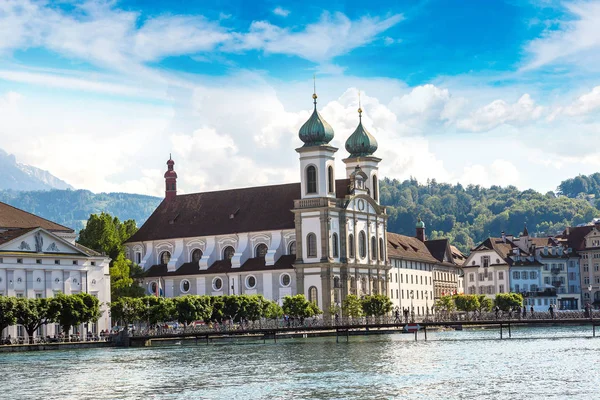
[426, 305]
[412, 307]
[589, 288]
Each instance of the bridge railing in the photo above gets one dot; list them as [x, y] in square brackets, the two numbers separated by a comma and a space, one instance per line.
[299, 324]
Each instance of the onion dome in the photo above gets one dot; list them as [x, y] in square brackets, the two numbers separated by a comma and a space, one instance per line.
[420, 224]
[361, 143]
[316, 131]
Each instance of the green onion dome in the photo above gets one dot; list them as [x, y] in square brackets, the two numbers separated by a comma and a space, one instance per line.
[316, 131]
[361, 143]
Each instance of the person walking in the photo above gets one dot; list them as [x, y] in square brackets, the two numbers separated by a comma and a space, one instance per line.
[551, 310]
[524, 311]
[497, 311]
[531, 309]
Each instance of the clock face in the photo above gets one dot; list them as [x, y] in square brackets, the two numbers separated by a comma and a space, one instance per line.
[361, 205]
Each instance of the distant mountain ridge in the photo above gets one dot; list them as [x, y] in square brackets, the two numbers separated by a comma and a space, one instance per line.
[72, 208]
[23, 177]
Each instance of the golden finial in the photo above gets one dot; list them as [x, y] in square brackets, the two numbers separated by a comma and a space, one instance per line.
[314, 96]
[359, 108]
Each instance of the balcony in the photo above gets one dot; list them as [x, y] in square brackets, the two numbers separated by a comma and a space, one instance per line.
[555, 270]
[315, 203]
[540, 293]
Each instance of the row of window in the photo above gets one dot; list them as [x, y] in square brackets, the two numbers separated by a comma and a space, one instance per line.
[524, 275]
[217, 283]
[491, 289]
[413, 281]
[532, 301]
[489, 275]
[410, 294]
[56, 262]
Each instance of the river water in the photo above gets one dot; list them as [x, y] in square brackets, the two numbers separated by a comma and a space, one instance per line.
[536, 363]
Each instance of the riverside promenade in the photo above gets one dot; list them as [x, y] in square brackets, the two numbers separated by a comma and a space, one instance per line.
[343, 328]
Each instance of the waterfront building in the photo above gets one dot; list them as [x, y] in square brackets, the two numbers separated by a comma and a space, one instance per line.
[422, 270]
[321, 237]
[40, 258]
[486, 268]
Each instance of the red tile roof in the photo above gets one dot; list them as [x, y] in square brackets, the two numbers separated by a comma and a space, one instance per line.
[12, 217]
[253, 209]
[407, 247]
[7, 236]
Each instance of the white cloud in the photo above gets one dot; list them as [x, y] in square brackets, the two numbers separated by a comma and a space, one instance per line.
[576, 40]
[281, 12]
[500, 112]
[585, 104]
[499, 172]
[333, 35]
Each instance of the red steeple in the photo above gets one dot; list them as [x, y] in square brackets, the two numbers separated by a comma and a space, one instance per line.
[170, 180]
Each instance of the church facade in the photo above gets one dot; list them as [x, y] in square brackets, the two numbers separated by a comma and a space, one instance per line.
[321, 237]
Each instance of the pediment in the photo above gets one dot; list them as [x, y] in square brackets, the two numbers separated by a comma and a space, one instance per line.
[363, 203]
[40, 241]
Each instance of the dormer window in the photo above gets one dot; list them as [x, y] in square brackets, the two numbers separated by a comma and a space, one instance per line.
[228, 253]
[485, 261]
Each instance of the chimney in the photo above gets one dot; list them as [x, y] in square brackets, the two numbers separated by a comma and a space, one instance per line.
[170, 180]
[421, 230]
[503, 237]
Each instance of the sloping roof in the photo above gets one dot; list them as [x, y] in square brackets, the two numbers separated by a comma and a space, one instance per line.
[253, 209]
[87, 250]
[7, 236]
[576, 236]
[222, 267]
[12, 217]
[542, 241]
[400, 246]
[457, 255]
[437, 248]
[498, 245]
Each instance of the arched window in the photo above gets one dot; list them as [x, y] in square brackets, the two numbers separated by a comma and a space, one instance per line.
[330, 181]
[311, 179]
[381, 253]
[351, 245]
[196, 255]
[261, 250]
[165, 257]
[373, 248]
[311, 245]
[334, 245]
[312, 294]
[375, 183]
[228, 253]
[362, 244]
[292, 248]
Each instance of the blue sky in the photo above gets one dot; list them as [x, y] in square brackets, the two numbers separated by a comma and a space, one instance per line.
[494, 92]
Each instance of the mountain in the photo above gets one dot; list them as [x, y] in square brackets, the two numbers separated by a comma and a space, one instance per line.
[17, 176]
[72, 208]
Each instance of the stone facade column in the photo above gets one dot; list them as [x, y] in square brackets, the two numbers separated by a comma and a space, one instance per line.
[299, 239]
[299, 279]
[326, 287]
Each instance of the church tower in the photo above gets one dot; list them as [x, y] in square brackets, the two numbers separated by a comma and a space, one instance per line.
[317, 161]
[170, 180]
[361, 145]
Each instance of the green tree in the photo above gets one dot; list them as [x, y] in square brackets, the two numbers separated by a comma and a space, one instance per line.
[272, 310]
[506, 301]
[33, 313]
[298, 307]
[158, 309]
[352, 306]
[122, 281]
[466, 302]
[8, 307]
[192, 308]
[445, 304]
[376, 305]
[128, 310]
[485, 303]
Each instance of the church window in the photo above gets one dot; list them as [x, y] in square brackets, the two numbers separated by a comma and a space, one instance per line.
[250, 282]
[138, 257]
[165, 257]
[185, 286]
[311, 245]
[381, 253]
[261, 250]
[152, 287]
[311, 179]
[373, 248]
[312, 294]
[362, 244]
[375, 182]
[330, 181]
[228, 253]
[292, 248]
[196, 255]
[285, 280]
[334, 245]
[217, 284]
[351, 245]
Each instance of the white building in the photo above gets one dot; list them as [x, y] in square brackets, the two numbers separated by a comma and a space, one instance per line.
[39, 258]
[486, 268]
[321, 237]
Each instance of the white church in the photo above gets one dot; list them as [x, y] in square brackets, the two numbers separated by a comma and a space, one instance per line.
[321, 237]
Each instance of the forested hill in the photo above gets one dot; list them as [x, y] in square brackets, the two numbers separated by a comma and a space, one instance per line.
[464, 214]
[72, 208]
[467, 215]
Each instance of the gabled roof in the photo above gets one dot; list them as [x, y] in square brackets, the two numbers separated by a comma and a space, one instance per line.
[503, 248]
[254, 209]
[12, 217]
[576, 236]
[7, 236]
[457, 255]
[222, 267]
[407, 247]
[437, 248]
